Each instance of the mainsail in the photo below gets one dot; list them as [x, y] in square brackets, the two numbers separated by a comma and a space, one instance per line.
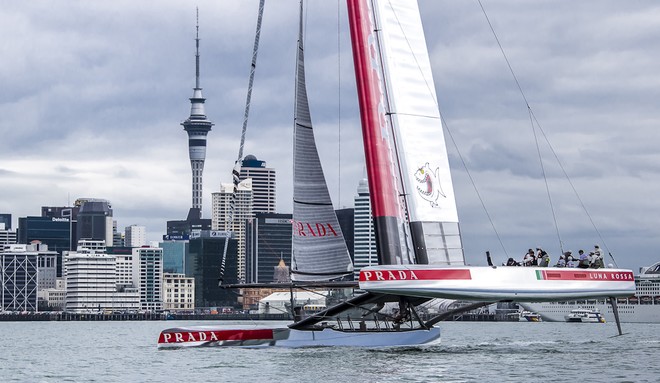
[319, 250]
[409, 178]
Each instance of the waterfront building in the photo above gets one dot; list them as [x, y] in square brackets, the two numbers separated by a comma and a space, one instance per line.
[123, 266]
[53, 299]
[179, 292]
[203, 262]
[197, 126]
[94, 220]
[46, 265]
[364, 251]
[24, 270]
[148, 277]
[263, 183]
[135, 236]
[91, 281]
[174, 256]
[268, 241]
[242, 213]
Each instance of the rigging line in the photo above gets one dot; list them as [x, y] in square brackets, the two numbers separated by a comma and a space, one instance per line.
[515, 78]
[532, 118]
[474, 185]
[570, 182]
[545, 179]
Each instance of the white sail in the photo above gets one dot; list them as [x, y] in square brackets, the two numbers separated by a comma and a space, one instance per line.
[417, 132]
[319, 250]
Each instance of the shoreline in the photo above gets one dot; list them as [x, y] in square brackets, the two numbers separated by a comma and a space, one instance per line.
[73, 317]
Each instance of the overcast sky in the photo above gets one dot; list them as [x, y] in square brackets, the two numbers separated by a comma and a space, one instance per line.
[92, 95]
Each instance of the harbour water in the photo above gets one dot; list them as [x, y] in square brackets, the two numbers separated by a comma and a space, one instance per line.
[468, 352]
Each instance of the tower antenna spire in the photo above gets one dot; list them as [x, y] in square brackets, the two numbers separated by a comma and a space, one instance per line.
[197, 53]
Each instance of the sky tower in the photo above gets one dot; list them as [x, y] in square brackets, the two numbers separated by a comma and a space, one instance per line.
[197, 126]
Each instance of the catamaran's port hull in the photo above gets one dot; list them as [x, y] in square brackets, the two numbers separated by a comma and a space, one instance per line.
[285, 337]
[517, 284]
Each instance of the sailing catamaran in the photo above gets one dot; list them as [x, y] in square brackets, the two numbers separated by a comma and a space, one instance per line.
[420, 252]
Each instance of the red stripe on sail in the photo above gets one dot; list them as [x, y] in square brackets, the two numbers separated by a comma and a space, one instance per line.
[413, 275]
[376, 149]
[183, 336]
[587, 275]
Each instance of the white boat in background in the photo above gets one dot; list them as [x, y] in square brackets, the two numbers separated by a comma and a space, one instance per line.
[584, 316]
[642, 307]
[528, 316]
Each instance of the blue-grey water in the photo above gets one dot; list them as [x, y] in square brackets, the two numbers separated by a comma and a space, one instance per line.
[468, 352]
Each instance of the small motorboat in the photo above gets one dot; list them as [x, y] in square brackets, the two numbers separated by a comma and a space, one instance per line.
[585, 316]
[529, 316]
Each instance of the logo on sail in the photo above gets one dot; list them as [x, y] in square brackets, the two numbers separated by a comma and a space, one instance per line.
[428, 185]
[313, 229]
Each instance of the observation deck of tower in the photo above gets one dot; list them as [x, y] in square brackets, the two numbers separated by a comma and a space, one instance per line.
[197, 126]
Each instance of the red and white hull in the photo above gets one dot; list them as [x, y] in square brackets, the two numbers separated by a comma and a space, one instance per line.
[208, 336]
[497, 283]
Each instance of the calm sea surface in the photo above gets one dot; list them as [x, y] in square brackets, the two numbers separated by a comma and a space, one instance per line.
[469, 352]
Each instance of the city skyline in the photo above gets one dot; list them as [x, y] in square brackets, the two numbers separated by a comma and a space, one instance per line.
[94, 95]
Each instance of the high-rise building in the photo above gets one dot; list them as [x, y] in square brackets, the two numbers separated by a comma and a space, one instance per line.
[203, 262]
[94, 220]
[5, 221]
[174, 256]
[135, 236]
[364, 234]
[148, 277]
[346, 218]
[117, 236]
[197, 126]
[242, 213]
[268, 240]
[68, 212]
[263, 183]
[52, 231]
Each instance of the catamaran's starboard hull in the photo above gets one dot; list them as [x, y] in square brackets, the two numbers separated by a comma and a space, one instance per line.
[285, 337]
[497, 283]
